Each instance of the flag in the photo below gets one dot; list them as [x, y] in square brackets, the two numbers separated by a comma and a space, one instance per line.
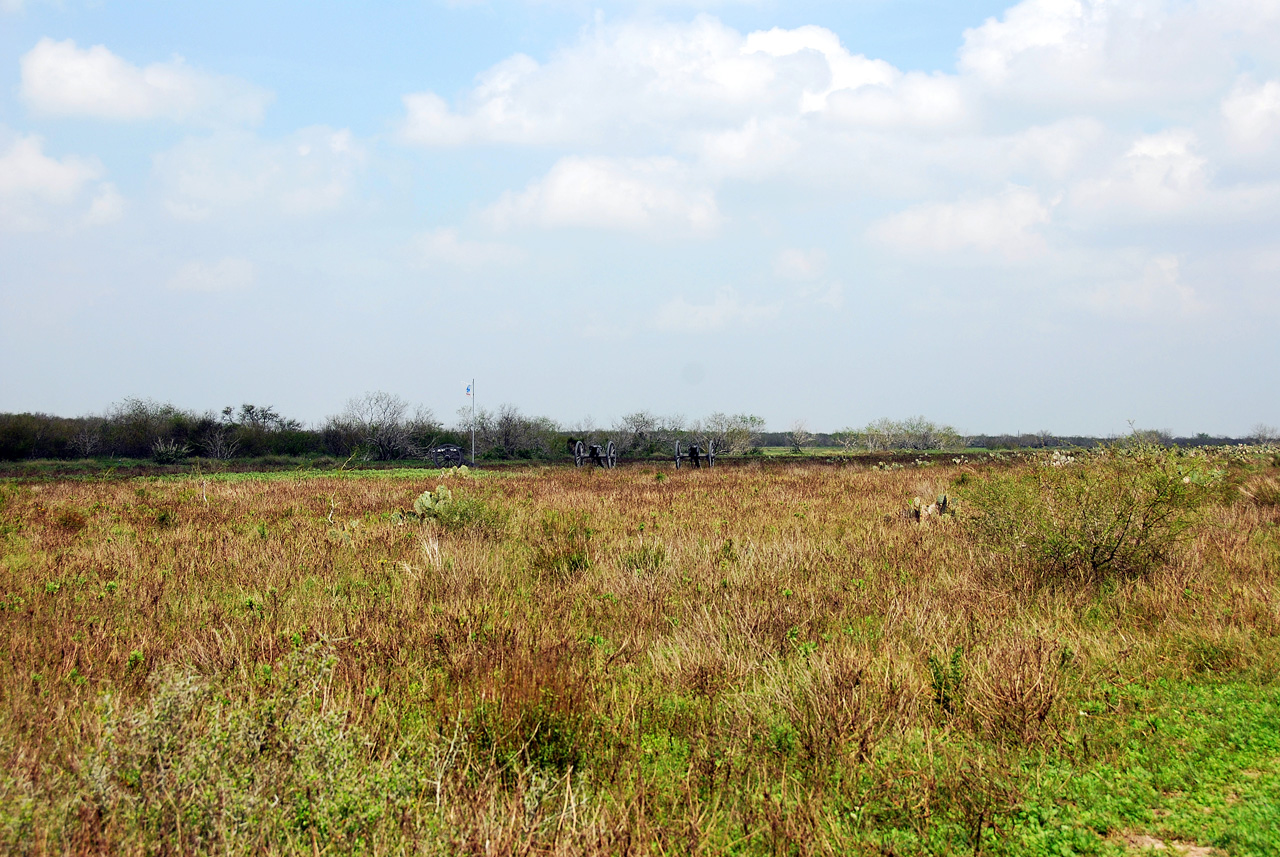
[468, 391]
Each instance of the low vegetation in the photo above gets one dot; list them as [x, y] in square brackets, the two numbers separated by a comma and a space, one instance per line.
[776, 657]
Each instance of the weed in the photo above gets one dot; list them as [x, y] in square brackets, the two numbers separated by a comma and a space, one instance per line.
[646, 559]
[946, 675]
[1014, 689]
[561, 544]
[71, 519]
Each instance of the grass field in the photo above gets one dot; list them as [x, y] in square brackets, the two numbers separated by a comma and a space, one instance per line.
[767, 658]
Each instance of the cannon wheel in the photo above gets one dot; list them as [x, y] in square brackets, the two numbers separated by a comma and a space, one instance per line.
[447, 454]
[610, 455]
[677, 455]
[711, 453]
[579, 454]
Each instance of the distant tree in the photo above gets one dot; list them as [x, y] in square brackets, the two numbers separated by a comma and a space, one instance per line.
[1159, 437]
[732, 434]
[799, 436]
[377, 424]
[133, 426]
[507, 433]
[914, 433]
[87, 441]
[220, 442]
[646, 433]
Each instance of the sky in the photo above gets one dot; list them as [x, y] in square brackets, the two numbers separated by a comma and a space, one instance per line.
[1057, 215]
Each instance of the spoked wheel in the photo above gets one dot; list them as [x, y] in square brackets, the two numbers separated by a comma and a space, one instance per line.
[579, 454]
[448, 454]
[677, 455]
[610, 455]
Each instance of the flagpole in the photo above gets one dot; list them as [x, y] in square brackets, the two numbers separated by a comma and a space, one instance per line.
[473, 422]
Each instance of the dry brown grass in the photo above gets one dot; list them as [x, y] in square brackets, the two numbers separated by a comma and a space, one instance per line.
[742, 660]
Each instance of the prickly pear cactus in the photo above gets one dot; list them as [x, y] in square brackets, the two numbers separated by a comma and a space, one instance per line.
[428, 504]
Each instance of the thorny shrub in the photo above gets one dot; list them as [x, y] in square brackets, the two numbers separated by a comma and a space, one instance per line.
[1118, 512]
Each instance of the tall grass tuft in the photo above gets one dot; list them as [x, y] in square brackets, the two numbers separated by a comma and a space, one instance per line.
[561, 544]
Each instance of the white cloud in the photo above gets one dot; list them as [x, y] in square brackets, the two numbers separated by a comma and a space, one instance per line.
[608, 193]
[640, 83]
[312, 171]
[1047, 28]
[107, 206]
[1252, 112]
[226, 275]
[1103, 52]
[726, 310]
[1005, 225]
[794, 264]
[33, 186]
[1056, 150]
[1159, 291]
[61, 79]
[428, 121]
[1160, 174]
[444, 247]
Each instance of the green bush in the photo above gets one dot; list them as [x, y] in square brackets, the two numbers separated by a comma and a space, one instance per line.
[1116, 512]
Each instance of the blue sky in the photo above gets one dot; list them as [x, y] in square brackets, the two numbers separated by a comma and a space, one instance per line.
[1053, 214]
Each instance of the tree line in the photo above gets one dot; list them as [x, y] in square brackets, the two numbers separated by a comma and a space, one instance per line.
[375, 426]
[380, 426]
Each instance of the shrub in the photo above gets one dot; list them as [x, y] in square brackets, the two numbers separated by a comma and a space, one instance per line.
[1014, 689]
[1119, 511]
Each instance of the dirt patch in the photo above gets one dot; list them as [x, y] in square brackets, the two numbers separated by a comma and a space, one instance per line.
[1140, 842]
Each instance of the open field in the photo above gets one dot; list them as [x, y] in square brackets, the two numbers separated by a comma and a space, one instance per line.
[766, 658]
[29, 470]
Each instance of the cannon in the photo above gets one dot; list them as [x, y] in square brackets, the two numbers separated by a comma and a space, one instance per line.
[601, 455]
[695, 455]
[447, 455]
